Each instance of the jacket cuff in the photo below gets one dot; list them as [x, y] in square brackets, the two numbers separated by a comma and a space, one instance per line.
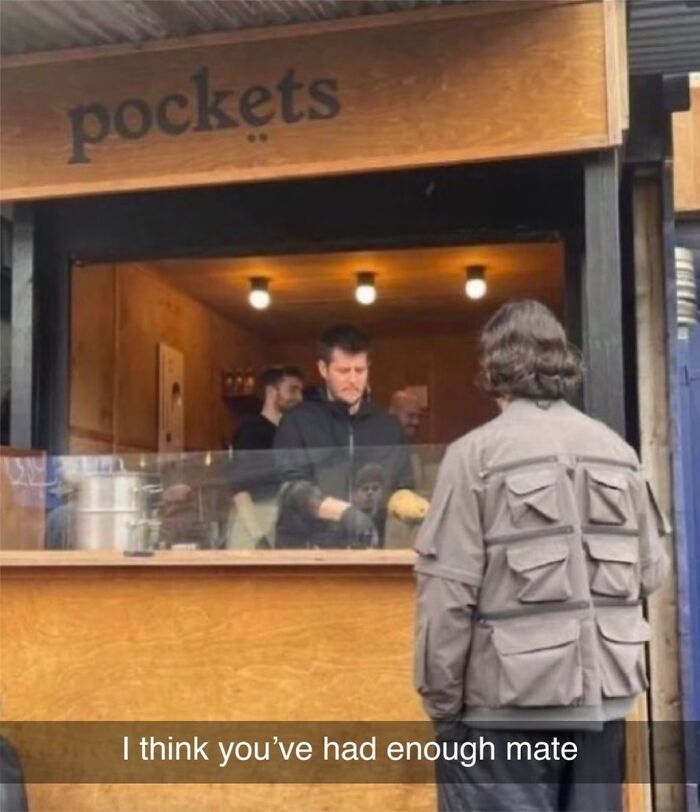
[429, 566]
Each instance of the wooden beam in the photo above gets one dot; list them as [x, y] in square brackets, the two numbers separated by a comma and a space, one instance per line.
[655, 452]
[52, 327]
[573, 312]
[602, 293]
[637, 796]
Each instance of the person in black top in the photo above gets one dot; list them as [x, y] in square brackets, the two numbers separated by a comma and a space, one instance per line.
[255, 482]
[325, 447]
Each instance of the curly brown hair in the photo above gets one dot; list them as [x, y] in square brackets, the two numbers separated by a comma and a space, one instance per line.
[525, 353]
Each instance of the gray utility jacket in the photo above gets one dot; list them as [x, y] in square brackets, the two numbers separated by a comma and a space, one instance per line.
[541, 540]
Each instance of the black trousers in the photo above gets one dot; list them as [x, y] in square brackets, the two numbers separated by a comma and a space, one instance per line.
[590, 783]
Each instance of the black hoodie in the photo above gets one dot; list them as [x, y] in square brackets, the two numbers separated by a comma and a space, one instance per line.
[320, 442]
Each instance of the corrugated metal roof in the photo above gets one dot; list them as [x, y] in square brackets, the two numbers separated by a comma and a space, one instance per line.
[664, 36]
[51, 25]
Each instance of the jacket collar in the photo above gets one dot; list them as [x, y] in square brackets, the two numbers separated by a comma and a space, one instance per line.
[519, 406]
[337, 407]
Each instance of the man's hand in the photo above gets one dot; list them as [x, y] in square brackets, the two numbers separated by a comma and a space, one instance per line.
[300, 497]
[408, 506]
[358, 528]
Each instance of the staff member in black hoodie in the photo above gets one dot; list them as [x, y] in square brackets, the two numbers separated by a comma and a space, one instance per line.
[325, 442]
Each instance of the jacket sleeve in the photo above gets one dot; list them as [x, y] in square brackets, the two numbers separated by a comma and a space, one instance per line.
[449, 573]
[291, 457]
[404, 469]
[653, 526]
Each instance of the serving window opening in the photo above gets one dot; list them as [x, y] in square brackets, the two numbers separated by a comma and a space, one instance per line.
[167, 366]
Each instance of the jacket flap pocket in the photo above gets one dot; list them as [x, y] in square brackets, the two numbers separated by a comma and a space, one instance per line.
[536, 555]
[610, 479]
[535, 638]
[530, 481]
[620, 550]
[623, 630]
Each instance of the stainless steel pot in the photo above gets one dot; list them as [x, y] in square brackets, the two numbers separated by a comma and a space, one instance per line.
[108, 508]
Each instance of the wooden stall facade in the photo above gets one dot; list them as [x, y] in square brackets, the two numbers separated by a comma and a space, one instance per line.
[467, 84]
[87, 637]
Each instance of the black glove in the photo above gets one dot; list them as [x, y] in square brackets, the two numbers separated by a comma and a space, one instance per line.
[358, 529]
[300, 497]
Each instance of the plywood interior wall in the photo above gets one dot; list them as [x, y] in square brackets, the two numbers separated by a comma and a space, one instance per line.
[424, 333]
[686, 152]
[114, 365]
[119, 315]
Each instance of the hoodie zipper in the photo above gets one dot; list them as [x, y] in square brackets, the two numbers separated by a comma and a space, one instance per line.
[351, 449]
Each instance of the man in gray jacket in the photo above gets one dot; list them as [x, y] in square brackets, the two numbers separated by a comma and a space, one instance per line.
[541, 541]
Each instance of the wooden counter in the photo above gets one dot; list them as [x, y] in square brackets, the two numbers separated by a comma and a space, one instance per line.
[209, 558]
[279, 635]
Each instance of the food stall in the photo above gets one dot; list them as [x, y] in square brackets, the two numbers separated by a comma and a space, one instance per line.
[151, 182]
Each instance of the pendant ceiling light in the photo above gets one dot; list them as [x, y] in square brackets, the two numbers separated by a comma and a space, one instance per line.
[475, 286]
[365, 292]
[259, 296]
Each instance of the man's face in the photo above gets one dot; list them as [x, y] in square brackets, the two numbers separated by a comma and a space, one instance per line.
[288, 393]
[346, 376]
[410, 416]
[368, 497]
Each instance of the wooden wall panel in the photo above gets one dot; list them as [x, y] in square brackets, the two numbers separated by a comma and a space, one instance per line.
[686, 153]
[464, 85]
[211, 645]
[114, 360]
[434, 343]
[92, 351]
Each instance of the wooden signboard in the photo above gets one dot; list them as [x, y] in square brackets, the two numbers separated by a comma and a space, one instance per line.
[473, 82]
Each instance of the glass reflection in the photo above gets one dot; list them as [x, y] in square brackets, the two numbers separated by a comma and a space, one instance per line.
[144, 503]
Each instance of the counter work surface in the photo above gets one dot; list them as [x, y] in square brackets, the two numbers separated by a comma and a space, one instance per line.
[209, 558]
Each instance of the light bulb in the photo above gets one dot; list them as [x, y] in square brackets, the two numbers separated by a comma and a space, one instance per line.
[259, 299]
[365, 292]
[475, 286]
[259, 296]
